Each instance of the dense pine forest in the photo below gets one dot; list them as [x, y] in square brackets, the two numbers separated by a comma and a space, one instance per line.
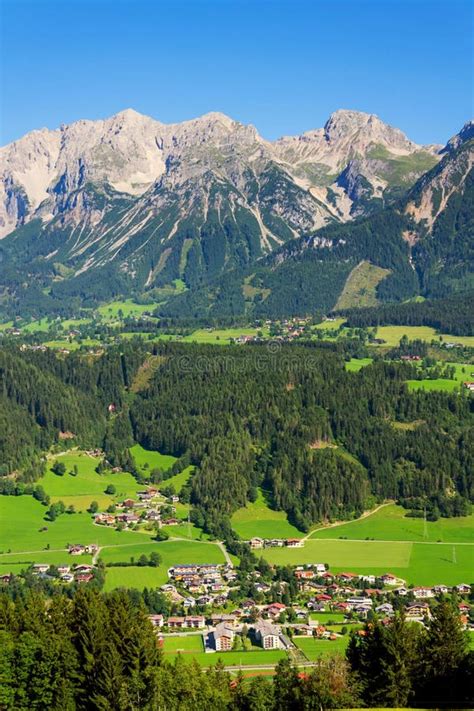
[95, 651]
[326, 443]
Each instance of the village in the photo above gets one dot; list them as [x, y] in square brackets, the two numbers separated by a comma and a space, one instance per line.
[327, 606]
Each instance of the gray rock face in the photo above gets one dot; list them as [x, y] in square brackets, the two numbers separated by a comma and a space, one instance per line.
[131, 153]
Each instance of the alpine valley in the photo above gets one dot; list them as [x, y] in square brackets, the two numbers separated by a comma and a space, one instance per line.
[209, 219]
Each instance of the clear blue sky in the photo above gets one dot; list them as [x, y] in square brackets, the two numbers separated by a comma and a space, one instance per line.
[283, 65]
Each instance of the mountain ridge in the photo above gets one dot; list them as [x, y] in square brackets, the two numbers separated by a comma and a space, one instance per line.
[197, 200]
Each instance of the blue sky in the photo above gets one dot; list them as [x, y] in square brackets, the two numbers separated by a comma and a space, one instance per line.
[283, 65]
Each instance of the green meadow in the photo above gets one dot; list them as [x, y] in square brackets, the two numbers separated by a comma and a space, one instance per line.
[171, 552]
[258, 519]
[183, 644]
[355, 364]
[221, 336]
[22, 517]
[315, 648]
[128, 307]
[417, 563]
[146, 460]
[88, 485]
[391, 524]
[392, 335]
[254, 657]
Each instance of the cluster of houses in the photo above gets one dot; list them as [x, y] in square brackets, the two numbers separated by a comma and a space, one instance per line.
[67, 574]
[351, 593]
[256, 543]
[151, 507]
[210, 583]
[79, 549]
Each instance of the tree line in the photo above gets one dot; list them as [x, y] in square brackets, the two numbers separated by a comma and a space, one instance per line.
[100, 652]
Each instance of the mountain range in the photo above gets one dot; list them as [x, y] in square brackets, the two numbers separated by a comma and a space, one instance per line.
[131, 206]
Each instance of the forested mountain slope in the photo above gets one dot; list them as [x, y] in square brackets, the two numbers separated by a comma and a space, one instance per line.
[321, 440]
[424, 240]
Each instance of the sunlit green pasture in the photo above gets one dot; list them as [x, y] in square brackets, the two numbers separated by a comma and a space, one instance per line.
[390, 523]
[258, 519]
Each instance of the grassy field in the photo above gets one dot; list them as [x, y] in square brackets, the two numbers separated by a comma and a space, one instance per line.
[22, 517]
[178, 480]
[146, 460]
[325, 617]
[171, 552]
[183, 644]
[221, 336]
[361, 285]
[463, 372]
[315, 648]
[390, 524]
[417, 563]
[128, 307]
[356, 364]
[257, 519]
[253, 657]
[393, 334]
[87, 486]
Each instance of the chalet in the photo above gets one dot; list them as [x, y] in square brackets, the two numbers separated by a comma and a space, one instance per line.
[67, 577]
[223, 637]
[153, 515]
[421, 593]
[294, 543]
[189, 602]
[84, 577]
[347, 577]
[276, 543]
[194, 622]
[175, 623]
[410, 357]
[469, 386]
[357, 601]
[463, 589]
[171, 522]
[228, 619]
[256, 543]
[91, 548]
[77, 550]
[40, 568]
[5, 578]
[105, 519]
[464, 607]
[305, 574]
[368, 579]
[267, 635]
[306, 630]
[385, 609]
[441, 589]
[63, 569]
[174, 499]
[156, 620]
[389, 579]
[275, 609]
[402, 591]
[83, 568]
[129, 503]
[417, 611]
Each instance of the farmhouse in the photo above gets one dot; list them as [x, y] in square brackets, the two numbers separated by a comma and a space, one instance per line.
[294, 543]
[421, 593]
[267, 635]
[256, 543]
